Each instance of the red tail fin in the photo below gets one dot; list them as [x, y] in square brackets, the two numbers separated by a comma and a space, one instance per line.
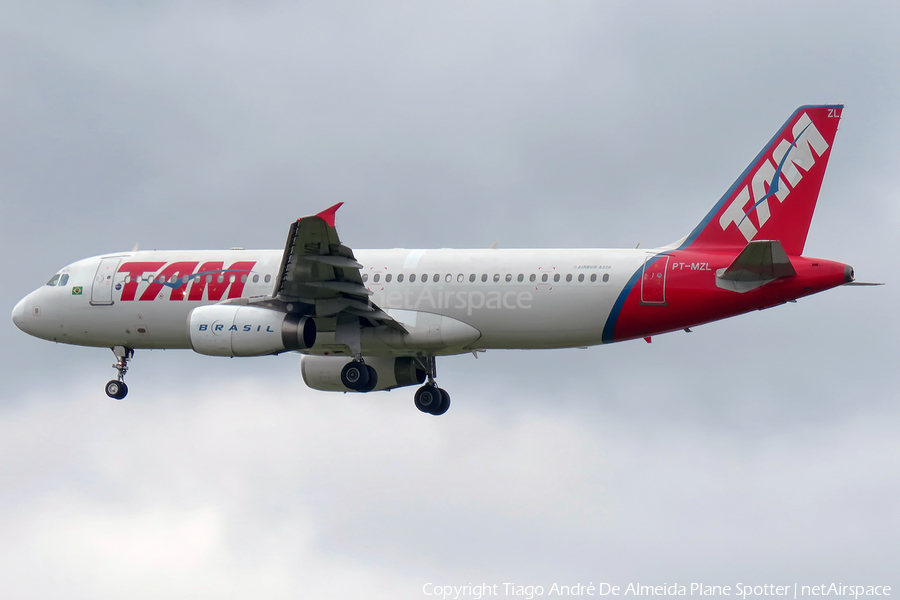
[774, 198]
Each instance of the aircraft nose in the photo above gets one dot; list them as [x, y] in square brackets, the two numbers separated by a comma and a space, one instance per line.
[18, 314]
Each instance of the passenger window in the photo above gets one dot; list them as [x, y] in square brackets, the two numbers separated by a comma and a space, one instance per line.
[569, 277]
[243, 279]
[424, 278]
[544, 277]
[268, 278]
[483, 277]
[520, 278]
[365, 277]
[532, 278]
[472, 277]
[412, 278]
[436, 278]
[605, 277]
[387, 278]
[256, 279]
[580, 277]
[556, 277]
[460, 278]
[593, 277]
[377, 277]
[64, 280]
[400, 278]
[508, 277]
[496, 277]
[448, 278]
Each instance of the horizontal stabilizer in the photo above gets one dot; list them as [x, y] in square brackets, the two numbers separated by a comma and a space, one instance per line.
[760, 262]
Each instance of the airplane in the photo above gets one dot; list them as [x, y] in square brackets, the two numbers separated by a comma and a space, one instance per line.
[373, 320]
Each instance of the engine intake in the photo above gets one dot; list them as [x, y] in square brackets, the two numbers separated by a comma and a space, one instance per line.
[228, 330]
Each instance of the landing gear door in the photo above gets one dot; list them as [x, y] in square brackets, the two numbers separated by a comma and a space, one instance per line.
[101, 289]
[653, 280]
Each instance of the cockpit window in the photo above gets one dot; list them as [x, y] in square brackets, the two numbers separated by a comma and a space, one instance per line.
[64, 279]
[54, 281]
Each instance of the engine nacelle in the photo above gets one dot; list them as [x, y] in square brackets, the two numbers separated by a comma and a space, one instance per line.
[229, 330]
[324, 372]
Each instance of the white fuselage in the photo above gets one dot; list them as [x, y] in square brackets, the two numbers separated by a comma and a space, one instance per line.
[513, 298]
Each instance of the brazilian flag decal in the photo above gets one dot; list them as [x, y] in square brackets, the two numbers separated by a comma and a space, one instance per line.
[76, 290]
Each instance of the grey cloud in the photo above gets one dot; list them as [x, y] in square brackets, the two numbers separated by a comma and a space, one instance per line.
[311, 491]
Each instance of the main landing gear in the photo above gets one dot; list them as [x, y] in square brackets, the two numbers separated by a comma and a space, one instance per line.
[430, 398]
[116, 388]
[359, 376]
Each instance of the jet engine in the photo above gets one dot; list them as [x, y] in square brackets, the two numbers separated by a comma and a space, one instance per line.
[229, 330]
[324, 372]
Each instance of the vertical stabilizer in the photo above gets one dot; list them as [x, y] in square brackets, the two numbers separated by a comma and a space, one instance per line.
[775, 197]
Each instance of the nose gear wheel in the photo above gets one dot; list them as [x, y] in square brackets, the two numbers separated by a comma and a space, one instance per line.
[116, 388]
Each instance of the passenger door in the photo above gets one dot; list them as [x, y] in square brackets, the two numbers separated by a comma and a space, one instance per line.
[653, 280]
[101, 290]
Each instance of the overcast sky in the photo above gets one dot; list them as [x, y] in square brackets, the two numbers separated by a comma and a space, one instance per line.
[758, 450]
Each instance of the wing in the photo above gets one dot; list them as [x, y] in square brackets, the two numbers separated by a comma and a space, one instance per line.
[318, 270]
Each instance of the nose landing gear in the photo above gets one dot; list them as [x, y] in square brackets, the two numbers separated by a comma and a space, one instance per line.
[430, 398]
[116, 388]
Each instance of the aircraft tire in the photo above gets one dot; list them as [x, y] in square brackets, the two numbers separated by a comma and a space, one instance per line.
[427, 397]
[355, 375]
[444, 405]
[116, 389]
[373, 379]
